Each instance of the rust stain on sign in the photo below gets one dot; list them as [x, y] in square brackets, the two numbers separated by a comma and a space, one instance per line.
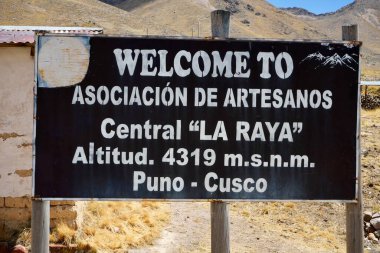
[24, 173]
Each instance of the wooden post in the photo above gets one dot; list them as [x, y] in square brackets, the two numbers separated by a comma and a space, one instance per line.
[220, 23]
[40, 226]
[354, 211]
[350, 32]
[220, 228]
[220, 231]
[199, 28]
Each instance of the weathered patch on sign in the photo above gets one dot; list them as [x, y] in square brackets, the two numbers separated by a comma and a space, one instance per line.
[195, 119]
[63, 61]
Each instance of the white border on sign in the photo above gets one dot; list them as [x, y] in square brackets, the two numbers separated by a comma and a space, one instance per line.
[358, 146]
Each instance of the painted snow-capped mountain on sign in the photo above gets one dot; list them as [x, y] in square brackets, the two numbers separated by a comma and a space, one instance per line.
[331, 61]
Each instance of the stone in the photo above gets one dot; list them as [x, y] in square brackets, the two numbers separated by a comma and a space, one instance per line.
[19, 202]
[370, 229]
[115, 229]
[372, 238]
[367, 225]
[367, 216]
[375, 222]
[250, 7]
[15, 214]
[62, 203]
[62, 212]
[19, 249]
[245, 21]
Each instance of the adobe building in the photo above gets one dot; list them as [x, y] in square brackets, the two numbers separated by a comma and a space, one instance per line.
[16, 129]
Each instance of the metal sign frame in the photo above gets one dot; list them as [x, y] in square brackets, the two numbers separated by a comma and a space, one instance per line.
[206, 199]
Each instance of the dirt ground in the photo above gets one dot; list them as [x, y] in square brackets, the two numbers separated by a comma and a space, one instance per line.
[277, 227]
[370, 133]
[256, 227]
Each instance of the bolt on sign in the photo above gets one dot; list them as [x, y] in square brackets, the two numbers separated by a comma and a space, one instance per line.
[170, 118]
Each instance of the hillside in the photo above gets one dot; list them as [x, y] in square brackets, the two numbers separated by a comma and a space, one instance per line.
[259, 19]
[75, 13]
[299, 11]
[365, 13]
[250, 19]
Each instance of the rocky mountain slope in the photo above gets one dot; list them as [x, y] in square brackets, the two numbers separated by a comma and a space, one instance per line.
[75, 13]
[365, 13]
[259, 19]
[299, 11]
[250, 18]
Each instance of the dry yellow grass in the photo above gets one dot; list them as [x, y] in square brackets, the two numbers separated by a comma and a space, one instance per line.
[372, 90]
[63, 234]
[25, 238]
[370, 156]
[370, 74]
[316, 226]
[111, 226]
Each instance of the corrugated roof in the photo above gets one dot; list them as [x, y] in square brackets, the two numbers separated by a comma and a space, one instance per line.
[25, 34]
[16, 36]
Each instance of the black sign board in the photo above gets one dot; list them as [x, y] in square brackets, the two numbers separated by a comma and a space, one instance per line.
[167, 118]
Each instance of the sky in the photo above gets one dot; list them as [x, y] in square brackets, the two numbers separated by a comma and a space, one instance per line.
[315, 6]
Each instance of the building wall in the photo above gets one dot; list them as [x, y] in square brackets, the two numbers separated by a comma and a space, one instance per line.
[16, 135]
[16, 121]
